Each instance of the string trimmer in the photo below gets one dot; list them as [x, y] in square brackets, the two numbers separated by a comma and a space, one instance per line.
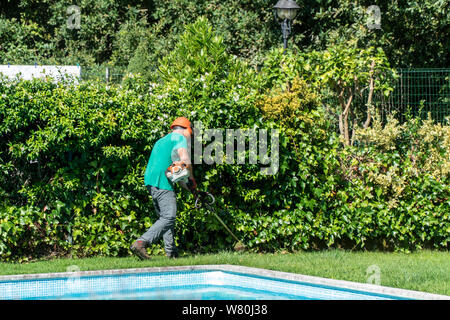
[200, 200]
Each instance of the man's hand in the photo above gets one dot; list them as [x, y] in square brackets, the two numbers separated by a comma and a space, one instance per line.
[192, 185]
[184, 157]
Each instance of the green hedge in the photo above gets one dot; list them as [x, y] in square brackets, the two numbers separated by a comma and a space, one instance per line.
[73, 157]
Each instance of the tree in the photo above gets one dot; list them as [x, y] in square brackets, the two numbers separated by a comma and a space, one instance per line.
[413, 34]
[350, 72]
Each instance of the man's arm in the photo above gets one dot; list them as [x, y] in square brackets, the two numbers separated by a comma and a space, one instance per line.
[184, 156]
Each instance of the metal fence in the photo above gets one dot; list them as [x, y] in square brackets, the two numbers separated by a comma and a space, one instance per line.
[418, 92]
[112, 74]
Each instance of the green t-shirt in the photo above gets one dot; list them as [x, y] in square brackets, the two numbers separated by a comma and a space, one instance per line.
[164, 153]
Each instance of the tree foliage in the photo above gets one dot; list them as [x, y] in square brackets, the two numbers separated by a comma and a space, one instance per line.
[412, 33]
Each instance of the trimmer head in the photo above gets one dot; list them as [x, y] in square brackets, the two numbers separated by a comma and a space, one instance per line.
[239, 246]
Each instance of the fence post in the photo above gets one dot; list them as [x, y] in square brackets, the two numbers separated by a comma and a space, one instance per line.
[107, 74]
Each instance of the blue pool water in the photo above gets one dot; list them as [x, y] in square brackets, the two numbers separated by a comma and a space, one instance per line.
[177, 285]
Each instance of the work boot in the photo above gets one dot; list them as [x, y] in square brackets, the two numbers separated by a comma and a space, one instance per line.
[173, 255]
[138, 247]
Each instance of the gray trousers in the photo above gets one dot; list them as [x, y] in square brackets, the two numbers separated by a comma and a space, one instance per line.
[166, 208]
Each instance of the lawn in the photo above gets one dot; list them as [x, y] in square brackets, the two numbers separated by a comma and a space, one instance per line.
[426, 270]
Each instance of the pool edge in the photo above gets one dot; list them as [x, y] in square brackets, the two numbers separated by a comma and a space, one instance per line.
[371, 288]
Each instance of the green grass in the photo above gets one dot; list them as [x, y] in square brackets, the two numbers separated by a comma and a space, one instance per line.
[427, 271]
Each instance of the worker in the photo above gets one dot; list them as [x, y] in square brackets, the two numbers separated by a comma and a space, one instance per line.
[172, 148]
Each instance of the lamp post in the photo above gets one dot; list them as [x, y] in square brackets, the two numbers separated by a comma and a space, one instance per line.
[286, 11]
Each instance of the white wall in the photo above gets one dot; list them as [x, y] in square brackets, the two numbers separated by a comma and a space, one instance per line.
[36, 71]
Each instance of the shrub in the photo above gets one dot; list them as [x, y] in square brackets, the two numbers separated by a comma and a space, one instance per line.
[291, 105]
[80, 149]
[398, 176]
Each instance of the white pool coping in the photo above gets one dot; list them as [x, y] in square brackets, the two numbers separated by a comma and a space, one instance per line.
[371, 288]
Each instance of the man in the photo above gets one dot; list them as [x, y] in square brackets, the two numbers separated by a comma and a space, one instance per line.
[172, 147]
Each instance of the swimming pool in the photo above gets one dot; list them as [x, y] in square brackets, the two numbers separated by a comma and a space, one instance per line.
[212, 282]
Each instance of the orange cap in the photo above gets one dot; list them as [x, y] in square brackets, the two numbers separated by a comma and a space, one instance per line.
[182, 122]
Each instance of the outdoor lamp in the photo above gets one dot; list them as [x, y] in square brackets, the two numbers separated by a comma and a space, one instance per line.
[286, 11]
